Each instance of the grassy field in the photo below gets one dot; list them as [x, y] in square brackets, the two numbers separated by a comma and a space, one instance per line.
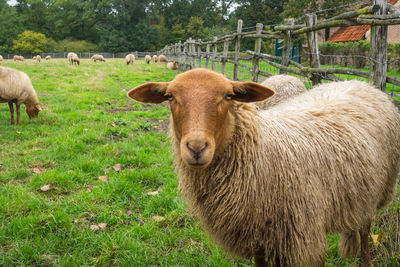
[133, 215]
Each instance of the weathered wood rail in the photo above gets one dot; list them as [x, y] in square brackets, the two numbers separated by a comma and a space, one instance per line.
[197, 53]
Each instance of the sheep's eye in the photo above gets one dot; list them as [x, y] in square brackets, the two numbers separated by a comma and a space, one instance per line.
[228, 96]
[169, 96]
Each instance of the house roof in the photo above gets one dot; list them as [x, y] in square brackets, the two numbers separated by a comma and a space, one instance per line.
[352, 33]
[349, 33]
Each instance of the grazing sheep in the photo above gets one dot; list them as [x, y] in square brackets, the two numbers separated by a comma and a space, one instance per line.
[172, 65]
[285, 87]
[155, 59]
[18, 58]
[1, 58]
[34, 57]
[163, 59]
[271, 184]
[48, 57]
[98, 57]
[73, 58]
[16, 87]
[130, 59]
[147, 58]
[38, 58]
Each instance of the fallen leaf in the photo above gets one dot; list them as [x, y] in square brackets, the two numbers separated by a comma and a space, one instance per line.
[37, 170]
[158, 218]
[117, 167]
[103, 178]
[113, 124]
[46, 187]
[100, 226]
[377, 239]
[70, 171]
[152, 193]
[129, 212]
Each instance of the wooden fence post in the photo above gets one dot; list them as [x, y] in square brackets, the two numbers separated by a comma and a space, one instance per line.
[207, 54]
[287, 45]
[237, 50]
[378, 49]
[185, 52]
[257, 50]
[224, 56]
[311, 19]
[193, 52]
[214, 56]
[199, 52]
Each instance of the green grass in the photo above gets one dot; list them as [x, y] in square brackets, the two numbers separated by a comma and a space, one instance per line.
[87, 126]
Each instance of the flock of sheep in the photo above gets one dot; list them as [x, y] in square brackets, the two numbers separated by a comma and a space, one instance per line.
[269, 169]
[130, 59]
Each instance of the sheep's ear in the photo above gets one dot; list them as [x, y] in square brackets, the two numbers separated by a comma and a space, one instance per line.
[250, 92]
[38, 107]
[149, 92]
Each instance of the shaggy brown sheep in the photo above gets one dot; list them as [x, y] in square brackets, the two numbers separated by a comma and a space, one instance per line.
[272, 184]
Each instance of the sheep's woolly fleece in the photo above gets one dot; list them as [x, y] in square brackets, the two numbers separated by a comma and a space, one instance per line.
[322, 162]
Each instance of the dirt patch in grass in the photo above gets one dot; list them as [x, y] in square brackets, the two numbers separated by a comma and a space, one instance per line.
[159, 125]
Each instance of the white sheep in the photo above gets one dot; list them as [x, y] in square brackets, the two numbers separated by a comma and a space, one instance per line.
[73, 58]
[130, 59]
[16, 87]
[18, 58]
[162, 59]
[147, 58]
[1, 58]
[38, 58]
[172, 65]
[155, 59]
[98, 57]
[285, 87]
[272, 184]
[48, 57]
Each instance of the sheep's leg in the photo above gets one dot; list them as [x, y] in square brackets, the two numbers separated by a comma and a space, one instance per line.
[10, 105]
[259, 258]
[365, 260]
[260, 261]
[18, 112]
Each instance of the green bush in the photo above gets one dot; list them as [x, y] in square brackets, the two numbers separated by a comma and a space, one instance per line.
[356, 54]
[30, 42]
[73, 45]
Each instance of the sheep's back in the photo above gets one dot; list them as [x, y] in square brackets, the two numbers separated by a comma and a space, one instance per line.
[14, 85]
[345, 135]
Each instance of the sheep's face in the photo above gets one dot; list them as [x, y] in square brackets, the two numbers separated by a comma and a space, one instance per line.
[33, 110]
[201, 102]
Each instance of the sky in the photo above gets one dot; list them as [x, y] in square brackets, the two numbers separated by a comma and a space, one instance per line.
[12, 2]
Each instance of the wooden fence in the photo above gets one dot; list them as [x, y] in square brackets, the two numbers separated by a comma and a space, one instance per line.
[197, 53]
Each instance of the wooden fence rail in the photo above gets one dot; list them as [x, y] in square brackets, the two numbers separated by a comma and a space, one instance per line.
[198, 53]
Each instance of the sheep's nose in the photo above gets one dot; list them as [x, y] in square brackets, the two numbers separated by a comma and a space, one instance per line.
[196, 148]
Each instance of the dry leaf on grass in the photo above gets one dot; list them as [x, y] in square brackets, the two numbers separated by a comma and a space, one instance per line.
[117, 167]
[129, 212]
[70, 171]
[152, 193]
[377, 239]
[46, 187]
[103, 178]
[97, 227]
[158, 218]
[37, 170]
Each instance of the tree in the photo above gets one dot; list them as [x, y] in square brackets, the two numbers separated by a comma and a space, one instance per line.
[10, 26]
[178, 32]
[195, 27]
[30, 42]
